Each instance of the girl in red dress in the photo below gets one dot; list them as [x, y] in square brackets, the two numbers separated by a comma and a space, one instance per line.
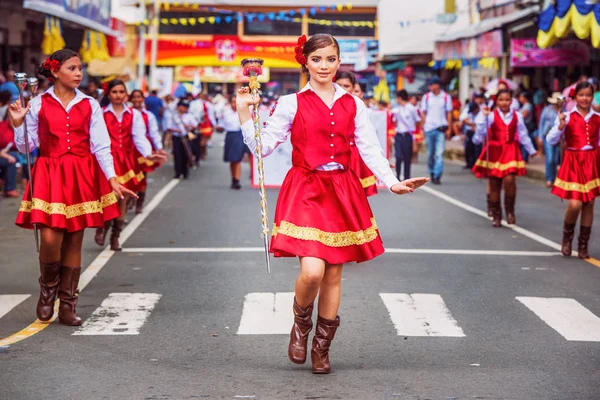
[74, 181]
[501, 160]
[127, 133]
[322, 214]
[346, 80]
[153, 136]
[578, 179]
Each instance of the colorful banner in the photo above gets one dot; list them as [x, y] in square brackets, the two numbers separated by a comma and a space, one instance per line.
[488, 44]
[221, 51]
[526, 53]
[116, 45]
[217, 74]
[93, 14]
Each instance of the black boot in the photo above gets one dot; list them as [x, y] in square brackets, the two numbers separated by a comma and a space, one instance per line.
[235, 184]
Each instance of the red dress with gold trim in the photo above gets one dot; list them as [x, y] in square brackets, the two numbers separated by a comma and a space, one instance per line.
[71, 191]
[324, 214]
[130, 172]
[206, 128]
[368, 181]
[578, 177]
[504, 151]
[146, 165]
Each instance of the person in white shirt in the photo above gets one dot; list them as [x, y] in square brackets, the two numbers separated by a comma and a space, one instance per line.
[436, 108]
[180, 124]
[234, 142]
[406, 119]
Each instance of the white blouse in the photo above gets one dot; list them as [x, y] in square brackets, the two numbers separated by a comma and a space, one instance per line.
[99, 138]
[138, 130]
[482, 126]
[154, 132]
[279, 125]
[554, 135]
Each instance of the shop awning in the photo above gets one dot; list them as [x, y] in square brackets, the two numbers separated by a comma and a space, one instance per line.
[487, 25]
[560, 17]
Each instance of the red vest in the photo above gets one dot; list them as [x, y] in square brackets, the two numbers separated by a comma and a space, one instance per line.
[579, 133]
[206, 126]
[121, 133]
[61, 132]
[500, 132]
[147, 123]
[321, 135]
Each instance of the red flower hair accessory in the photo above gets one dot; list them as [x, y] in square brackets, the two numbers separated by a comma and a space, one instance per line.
[572, 93]
[51, 65]
[299, 49]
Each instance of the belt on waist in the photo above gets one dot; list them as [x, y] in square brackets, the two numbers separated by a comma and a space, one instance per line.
[402, 133]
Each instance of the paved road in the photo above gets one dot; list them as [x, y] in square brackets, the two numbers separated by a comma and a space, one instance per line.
[430, 319]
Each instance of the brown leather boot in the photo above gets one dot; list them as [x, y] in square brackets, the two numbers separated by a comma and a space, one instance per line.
[100, 236]
[496, 214]
[509, 207]
[299, 335]
[319, 354]
[583, 239]
[49, 282]
[114, 235]
[139, 204]
[567, 240]
[130, 203]
[489, 207]
[68, 293]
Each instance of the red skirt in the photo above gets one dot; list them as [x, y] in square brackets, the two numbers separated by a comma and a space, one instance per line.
[130, 172]
[578, 176]
[324, 214]
[504, 159]
[71, 192]
[367, 179]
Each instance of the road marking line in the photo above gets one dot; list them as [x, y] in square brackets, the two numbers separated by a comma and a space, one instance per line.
[518, 229]
[566, 316]
[120, 314]
[421, 314]
[267, 314]
[10, 301]
[392, 251]
[99, 262]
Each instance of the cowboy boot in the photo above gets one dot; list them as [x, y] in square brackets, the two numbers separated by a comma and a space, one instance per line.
[114, 235]
[567, 240]
[489, 207]
[299, 334]
[139, 204]
[509, 207]
[496, 214]
[319, 354]
[583, 239]
[100, 236]
[49, 282]
[68, 293]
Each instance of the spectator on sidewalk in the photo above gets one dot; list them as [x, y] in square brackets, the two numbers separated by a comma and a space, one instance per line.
[436, 108]
[8, 155]
[529, 118]
[467, 118]
[406, 119]
[9, 85]
[549, 115]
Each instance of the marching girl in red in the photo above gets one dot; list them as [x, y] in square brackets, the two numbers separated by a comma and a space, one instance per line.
[578, 179]
[501, 160]
[127, 133]
[74, 181]
[346, 80]
[153, 136]
[322, 214]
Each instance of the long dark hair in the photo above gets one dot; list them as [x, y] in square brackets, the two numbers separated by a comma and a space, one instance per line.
[316, 42]
[584, 85]
[60, 56]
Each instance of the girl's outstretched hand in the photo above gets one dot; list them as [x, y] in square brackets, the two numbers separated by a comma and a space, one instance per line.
[409, 185]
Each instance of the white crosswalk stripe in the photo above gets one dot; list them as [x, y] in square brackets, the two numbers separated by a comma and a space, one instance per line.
[421, 314]
[10, 301]
[267, 314]
[120, 314]
[566, 316]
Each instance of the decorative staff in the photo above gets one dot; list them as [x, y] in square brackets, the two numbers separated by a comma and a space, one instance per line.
[22, 82]
[487, 138]
[252, 69]
[560, 101]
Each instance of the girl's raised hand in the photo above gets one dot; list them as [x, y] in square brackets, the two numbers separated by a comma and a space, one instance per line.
[16, 113]
[244, 98]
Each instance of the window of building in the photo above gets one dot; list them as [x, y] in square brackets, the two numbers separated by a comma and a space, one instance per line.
[336, 30]
[272, 27]
[225, 24]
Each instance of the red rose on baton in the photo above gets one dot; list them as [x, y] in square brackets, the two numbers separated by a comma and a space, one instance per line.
[572, 93]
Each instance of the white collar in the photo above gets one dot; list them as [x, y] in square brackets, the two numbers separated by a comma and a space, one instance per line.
[588, 116]
[109, 108]
[339, 91]
[79, 95]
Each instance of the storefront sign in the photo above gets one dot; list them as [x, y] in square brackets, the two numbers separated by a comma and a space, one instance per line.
[526, 53]
[488, 44]
[93, 14]
[217, 74]
[358, 52]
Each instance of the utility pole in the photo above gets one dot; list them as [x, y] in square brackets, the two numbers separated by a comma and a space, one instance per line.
[154, 28]
[141, 73]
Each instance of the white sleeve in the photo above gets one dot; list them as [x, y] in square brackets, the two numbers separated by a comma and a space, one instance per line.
[100, 140]
[482, 125]
[524, 134]
[554, 134]
[138, 131]
[464, 113]
[369, 148]
[211, 114]
[154, 131]
[277, 129]
[448, 103]
[31, 119]
[415, 114]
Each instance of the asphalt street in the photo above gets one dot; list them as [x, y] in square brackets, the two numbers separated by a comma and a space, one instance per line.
[454, 310]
